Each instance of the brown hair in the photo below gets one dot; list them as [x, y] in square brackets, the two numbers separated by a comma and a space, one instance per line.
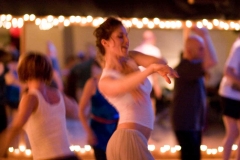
[104, 31]
[35, 65]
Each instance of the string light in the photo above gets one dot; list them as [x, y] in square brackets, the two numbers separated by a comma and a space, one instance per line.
[47, 22]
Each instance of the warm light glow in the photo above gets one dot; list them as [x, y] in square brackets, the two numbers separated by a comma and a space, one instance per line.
[164, 150]
[22, 148]
[167, 147]
[87, 147]
[188, 23]
[205, 22]
[8, 21]
[32, 17]
[20, 23]
[214, 151]
[210, 26]
[45, 25]
[199, 24]
[61, 18]
[173, 150]
[72, 19]
[10, 149]
[14, 22]
[156, 20]
[209, 151]
[16, 151]
[234, 147]
[151, 25]
[220, 149]
[84, 20]
[28, 152]
[151, 147]
[82, 150]
[168, 24]
[26, 17]
[139, 24]
[9, 17]
[66, 22]
[89, 19]
[3, 17]
[145, 20]
[203, 147]
[134, 21]
[76, 148]
[8, 25]
[216, 22]
[237, 27]
[177, 147]
[55, 22]
[38, 21]
[162, 24]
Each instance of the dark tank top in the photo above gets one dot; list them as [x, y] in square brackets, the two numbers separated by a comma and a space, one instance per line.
[105, 110]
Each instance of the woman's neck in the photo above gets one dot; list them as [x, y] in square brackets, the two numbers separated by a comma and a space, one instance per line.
[114, 62]
[36, 84]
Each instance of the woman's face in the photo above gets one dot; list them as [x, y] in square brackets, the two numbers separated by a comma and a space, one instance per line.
[118, 42]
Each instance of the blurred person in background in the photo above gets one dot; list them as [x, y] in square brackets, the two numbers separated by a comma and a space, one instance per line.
[80, 73]
[103, 116]
[230, 100]
[148, 47]
[42, 110]
[188, 109]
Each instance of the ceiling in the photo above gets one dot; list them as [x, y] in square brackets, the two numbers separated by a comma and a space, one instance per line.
[165, 9]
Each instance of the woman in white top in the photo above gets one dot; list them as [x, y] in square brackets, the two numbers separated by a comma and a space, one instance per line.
[128, 90]
[43, 109]
[230, 99]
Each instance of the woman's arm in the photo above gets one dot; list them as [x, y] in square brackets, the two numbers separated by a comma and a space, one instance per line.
[111, 86]
[28, 104]
[58, 80]
[210, 58]
[145, 60]
[84, 104]
[229, 72]
[71, 107]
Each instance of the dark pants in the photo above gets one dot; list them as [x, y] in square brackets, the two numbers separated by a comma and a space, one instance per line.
[70, 157]
[3, 118]
[190, 142]
[99, 154]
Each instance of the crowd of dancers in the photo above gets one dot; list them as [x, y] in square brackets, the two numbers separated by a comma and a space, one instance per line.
[120, 88]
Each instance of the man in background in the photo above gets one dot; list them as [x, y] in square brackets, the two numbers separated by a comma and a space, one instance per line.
[148, 47]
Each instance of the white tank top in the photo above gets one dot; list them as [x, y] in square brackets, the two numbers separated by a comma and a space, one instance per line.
[130, 110]
[46, 129]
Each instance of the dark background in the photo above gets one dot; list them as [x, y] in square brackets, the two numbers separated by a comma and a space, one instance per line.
[166, 9]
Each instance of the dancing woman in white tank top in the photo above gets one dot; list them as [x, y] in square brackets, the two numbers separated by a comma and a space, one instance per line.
[43, 109]
[128, 90]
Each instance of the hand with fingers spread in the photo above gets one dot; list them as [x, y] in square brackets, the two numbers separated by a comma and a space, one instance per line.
[165, 71]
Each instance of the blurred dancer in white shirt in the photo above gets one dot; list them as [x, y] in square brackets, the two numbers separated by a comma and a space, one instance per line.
[148, 47]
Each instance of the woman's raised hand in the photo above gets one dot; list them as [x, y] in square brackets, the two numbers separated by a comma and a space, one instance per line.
[165, 71]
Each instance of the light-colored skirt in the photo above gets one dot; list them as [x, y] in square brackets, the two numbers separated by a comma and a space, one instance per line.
[128, 144]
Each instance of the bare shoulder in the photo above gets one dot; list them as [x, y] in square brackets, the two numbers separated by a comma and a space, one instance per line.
[28, 100]
[91, 80]
[91, 85]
